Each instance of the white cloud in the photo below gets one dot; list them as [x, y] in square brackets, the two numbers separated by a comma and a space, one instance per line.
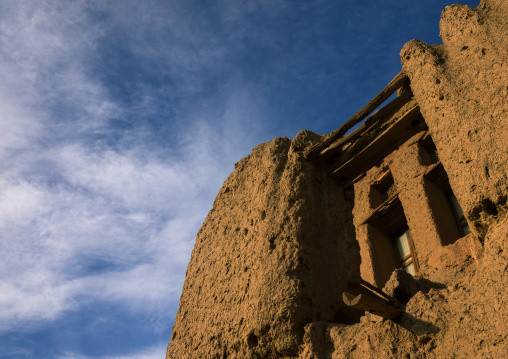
[83, 222]
[113, 228]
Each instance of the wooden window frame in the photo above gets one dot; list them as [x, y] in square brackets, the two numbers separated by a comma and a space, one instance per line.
[412, 250]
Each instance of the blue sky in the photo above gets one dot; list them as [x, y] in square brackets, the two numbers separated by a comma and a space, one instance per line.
[119, 121]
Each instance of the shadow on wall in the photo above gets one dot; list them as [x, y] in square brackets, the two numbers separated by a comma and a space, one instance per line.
[403, 286]
[417, 326]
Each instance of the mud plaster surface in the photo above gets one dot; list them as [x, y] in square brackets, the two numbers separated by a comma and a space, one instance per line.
[462, 89]
[274, 253]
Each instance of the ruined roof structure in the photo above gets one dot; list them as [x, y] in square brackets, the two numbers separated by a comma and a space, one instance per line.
[389, 241]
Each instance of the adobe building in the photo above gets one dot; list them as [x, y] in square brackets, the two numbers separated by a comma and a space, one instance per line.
[388, 241]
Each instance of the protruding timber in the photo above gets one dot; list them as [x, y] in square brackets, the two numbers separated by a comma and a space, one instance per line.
[369, 123]
[397, 82]
[374, 305]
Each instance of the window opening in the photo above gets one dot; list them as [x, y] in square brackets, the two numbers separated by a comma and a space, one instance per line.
[382, 189]
[447, 213]
[390, 241]
[458, 214]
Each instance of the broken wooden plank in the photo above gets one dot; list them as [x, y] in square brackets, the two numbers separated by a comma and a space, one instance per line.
[397, 82]
[372, 305]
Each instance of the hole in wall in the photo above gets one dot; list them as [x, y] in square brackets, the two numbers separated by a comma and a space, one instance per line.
[252, 340]
[263, 215]
[382, 189]
[490, 207]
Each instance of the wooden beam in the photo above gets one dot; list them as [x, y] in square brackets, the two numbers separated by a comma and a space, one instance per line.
[385, 176]
[383, 207]
[372, 305]
[369, 123]
[397, 82]
[376, 290]
[350, 165]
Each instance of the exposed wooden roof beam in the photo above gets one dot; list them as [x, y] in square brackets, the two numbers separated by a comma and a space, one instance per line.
[366, 126]
[354, 163]
[397, 82]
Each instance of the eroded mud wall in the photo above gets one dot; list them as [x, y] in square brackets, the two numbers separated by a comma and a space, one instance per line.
[274, 253]
[462, 89]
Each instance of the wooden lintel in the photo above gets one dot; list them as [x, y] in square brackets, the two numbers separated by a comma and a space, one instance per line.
[432, 168]
[384, 177]
[372, 305]
[383, 207]
[397, 82]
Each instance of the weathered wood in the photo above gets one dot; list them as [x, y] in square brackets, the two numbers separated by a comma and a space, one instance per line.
[351, 165]
[383, 178]
[383, 207]
[372, 305]
[397, 82]
[369, 123]
[375, 289]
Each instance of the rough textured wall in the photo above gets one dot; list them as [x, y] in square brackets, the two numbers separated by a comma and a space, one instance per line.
[274, 253]
[464, 317]
[422, 216]
[462, 89]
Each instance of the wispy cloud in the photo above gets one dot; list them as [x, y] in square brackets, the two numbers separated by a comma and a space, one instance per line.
[96, 224]
[93, 213]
